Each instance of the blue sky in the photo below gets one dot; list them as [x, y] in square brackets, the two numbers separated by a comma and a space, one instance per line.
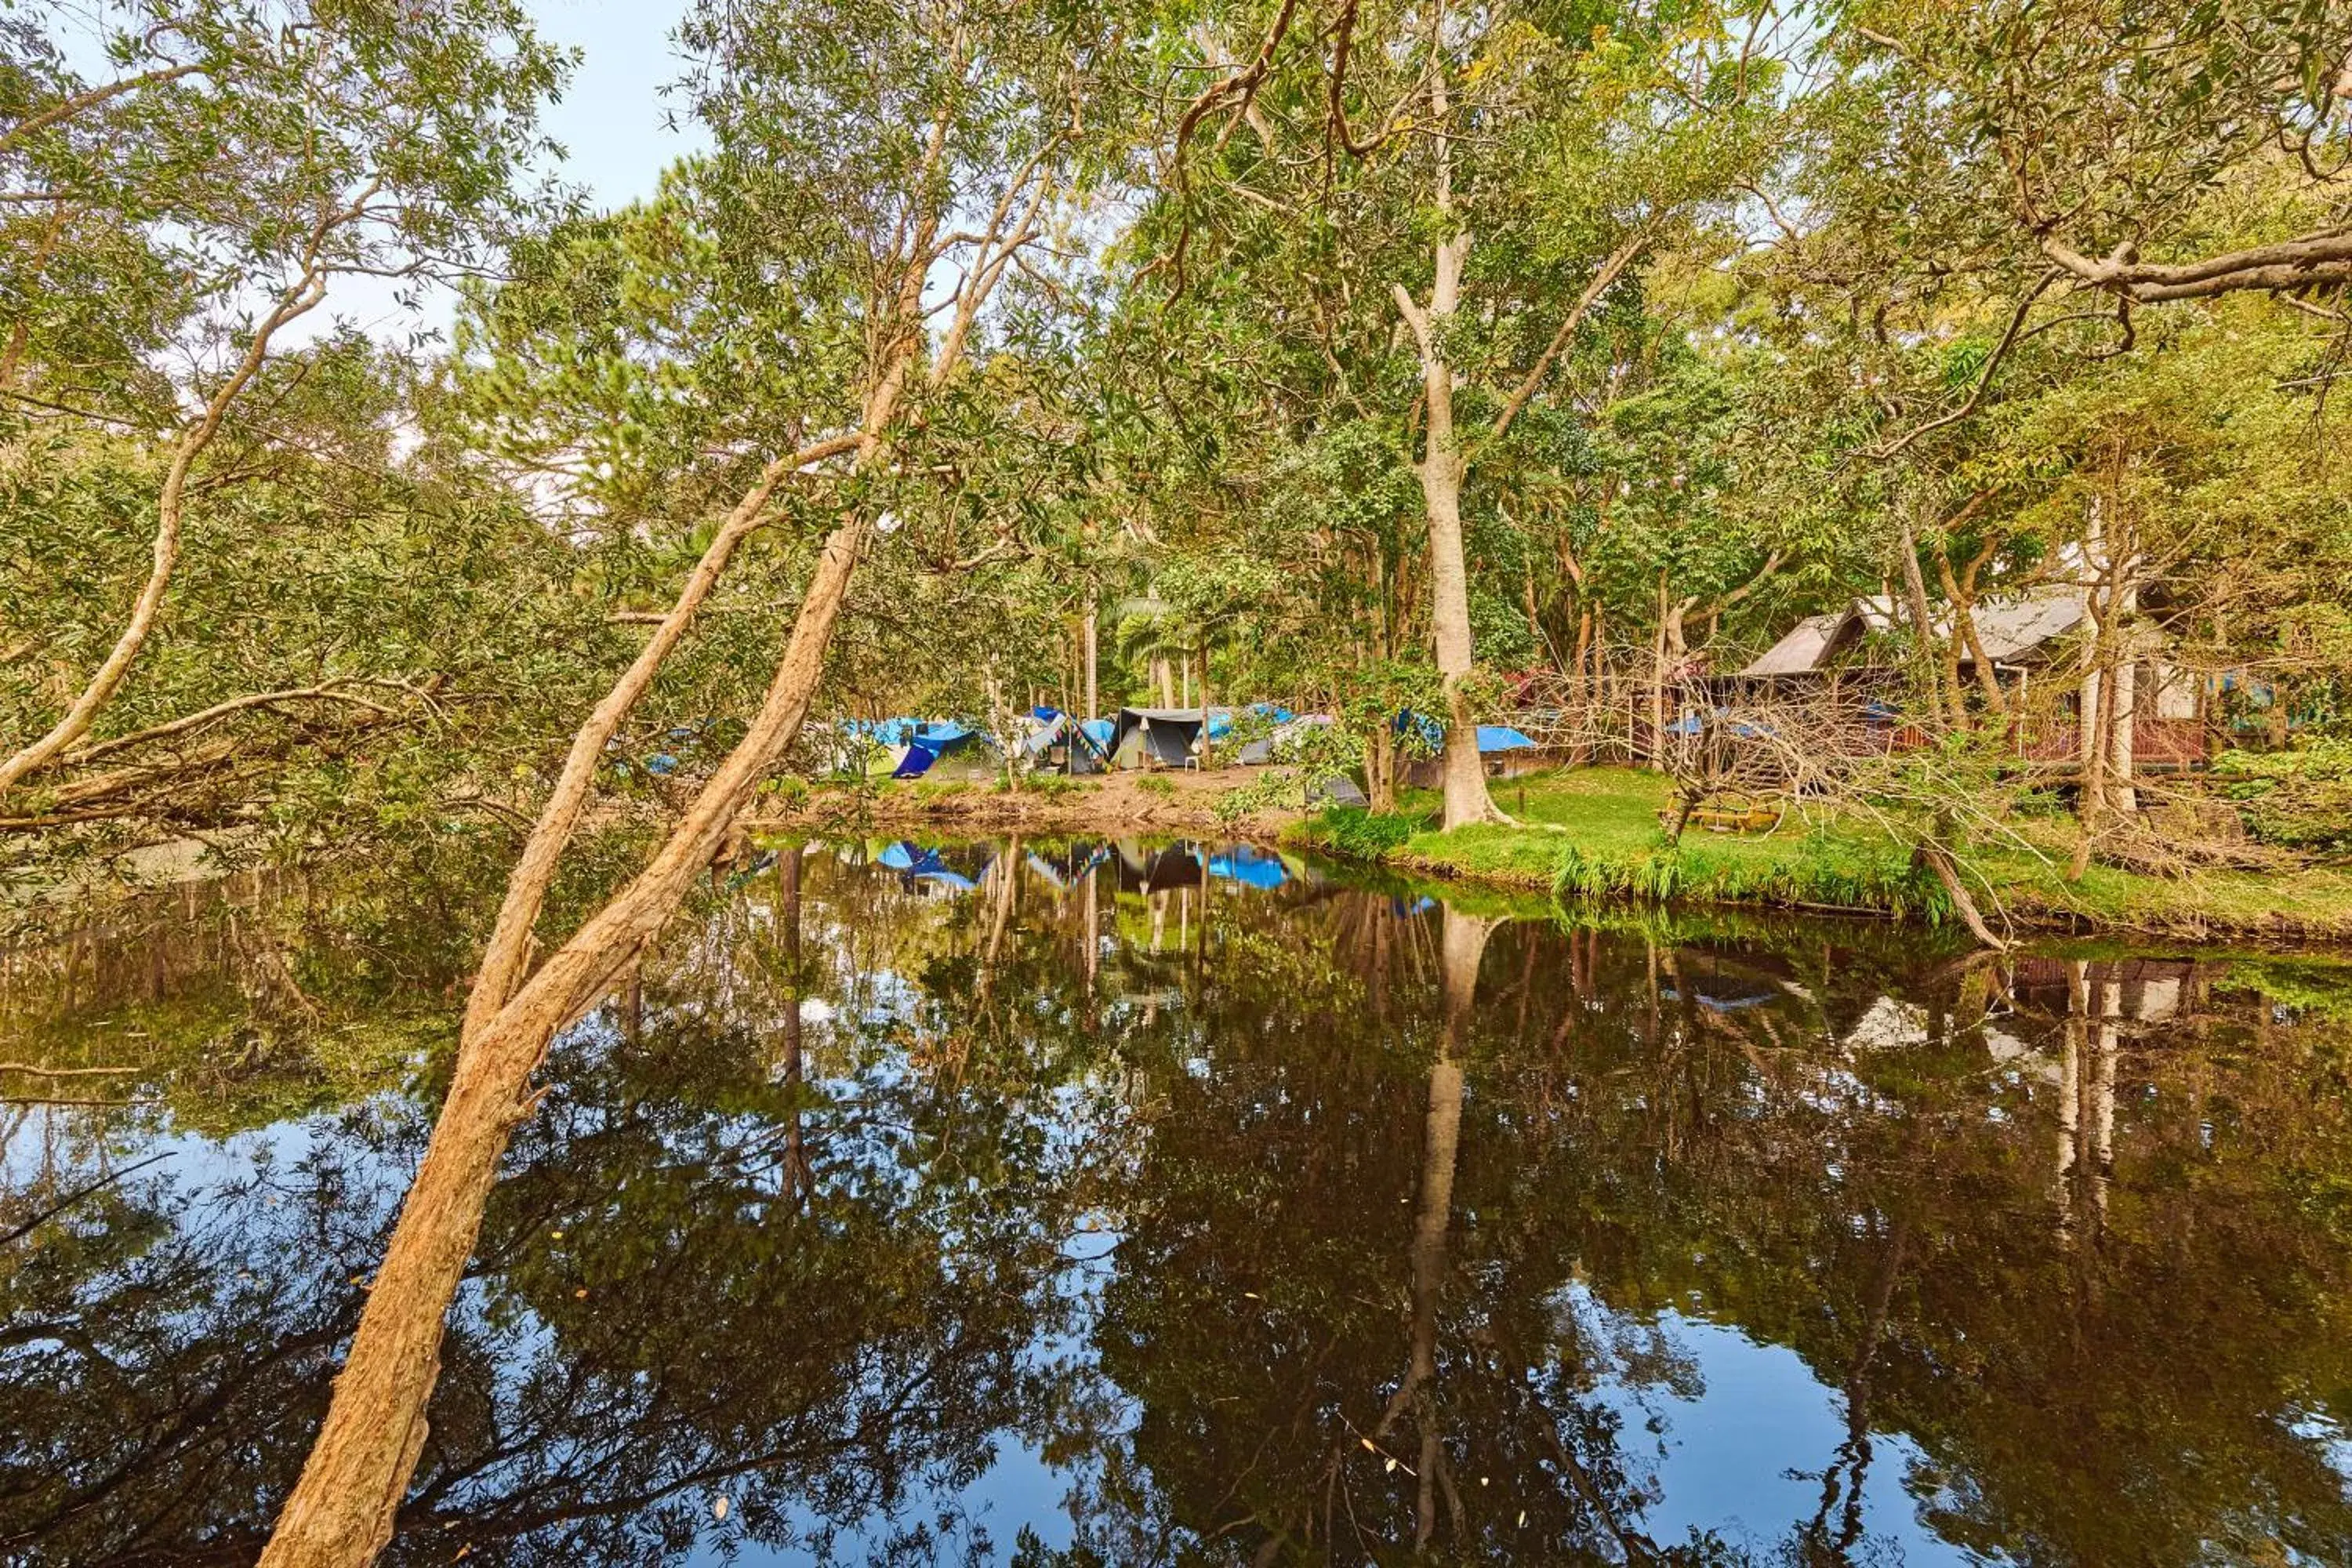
[610, 120]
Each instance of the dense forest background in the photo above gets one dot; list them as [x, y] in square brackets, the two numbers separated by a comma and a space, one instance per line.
[1358, 354]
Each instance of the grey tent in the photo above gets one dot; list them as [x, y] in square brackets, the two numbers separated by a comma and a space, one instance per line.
[1271, 747]
[1164, 735]
[1337, 790]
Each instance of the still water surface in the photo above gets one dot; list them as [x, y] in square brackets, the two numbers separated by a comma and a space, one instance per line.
[1080, 1203]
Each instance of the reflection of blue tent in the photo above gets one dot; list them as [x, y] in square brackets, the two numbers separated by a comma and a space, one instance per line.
[1253, 868]
[1720, 1004]
[921, 865]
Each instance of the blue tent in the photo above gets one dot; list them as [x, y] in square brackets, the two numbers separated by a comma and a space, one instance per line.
[1252, 867]
[1432, 733]
[1099, 731]
[927, 741]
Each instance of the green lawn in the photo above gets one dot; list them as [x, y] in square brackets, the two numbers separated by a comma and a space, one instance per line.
[1594, 833]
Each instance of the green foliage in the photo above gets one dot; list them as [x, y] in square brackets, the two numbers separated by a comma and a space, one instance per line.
[2300, 799]
[1361, 835]
[1156, 783]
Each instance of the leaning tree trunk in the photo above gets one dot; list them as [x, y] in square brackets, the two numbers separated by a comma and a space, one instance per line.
[164, 554]
[343, 1510]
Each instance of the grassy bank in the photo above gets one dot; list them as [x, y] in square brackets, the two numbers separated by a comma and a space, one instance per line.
[1593, 834]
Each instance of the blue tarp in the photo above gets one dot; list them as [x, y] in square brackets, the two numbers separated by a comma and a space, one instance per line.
[1098, 731]
[915, 764]
[1491, 737]
[1253, 868]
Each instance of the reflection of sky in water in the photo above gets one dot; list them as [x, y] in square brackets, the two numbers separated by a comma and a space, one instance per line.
[1720, 1433]
[1742, 1454]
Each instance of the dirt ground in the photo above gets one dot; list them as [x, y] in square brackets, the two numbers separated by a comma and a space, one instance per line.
[1159, 802]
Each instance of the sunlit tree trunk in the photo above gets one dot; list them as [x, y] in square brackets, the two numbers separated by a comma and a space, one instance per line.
[343, 1508]
[1094, 701]
[1441, 472]
[163, 554]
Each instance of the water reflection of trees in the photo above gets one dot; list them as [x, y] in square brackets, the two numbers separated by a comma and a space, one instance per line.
[1385, 1208]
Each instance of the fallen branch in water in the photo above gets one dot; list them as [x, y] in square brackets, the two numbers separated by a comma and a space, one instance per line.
[77, 1196]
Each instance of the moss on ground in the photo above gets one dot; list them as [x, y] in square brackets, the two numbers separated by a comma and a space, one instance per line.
[1593, 834]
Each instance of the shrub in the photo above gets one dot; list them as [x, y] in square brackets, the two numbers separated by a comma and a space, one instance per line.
[2297, 800]
[1361, 835]
[1156, 783]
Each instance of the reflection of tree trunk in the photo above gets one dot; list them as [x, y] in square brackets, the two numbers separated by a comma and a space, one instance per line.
[797, 1177]
[1847, 1474]
[1094, 939]
[2070, 1100]
[1004, 875]
[1463, 944]
[2102, 1094]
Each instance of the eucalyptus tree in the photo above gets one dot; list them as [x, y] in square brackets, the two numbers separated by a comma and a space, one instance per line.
[2149, 153]
[861, 152]
[1433, 210]
[167, 223]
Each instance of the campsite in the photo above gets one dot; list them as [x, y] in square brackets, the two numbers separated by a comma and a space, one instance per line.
[1341, 783]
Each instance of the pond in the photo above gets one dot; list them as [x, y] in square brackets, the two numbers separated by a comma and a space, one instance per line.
[1066, 1202]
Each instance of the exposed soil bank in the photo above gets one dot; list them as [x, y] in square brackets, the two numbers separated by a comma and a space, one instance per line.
[1114, 806]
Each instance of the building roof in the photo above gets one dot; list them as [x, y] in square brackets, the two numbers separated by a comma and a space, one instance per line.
[1808, 646]
[2012, 629]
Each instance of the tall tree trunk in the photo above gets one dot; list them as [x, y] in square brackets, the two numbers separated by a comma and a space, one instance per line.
[1441, 472]
[1094, 703]
[1658, 680]
[2123, 691]
[1923, 626]
[343, 1508]
[1208, 752]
